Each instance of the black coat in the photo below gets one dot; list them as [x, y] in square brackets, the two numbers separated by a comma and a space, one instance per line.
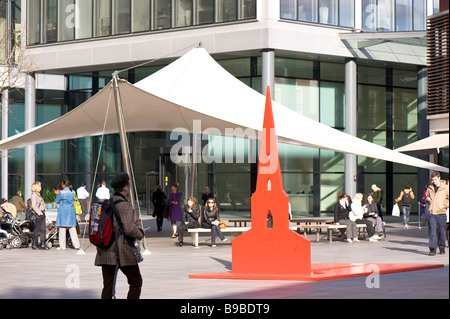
[340, 212]
[210, 215]
[191, 216]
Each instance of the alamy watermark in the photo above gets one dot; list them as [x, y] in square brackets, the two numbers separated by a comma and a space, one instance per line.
[220, 151]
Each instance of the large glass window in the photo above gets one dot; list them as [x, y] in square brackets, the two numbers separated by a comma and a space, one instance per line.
[183, 13]
[33, 21]
[162, 14]
[121, 16]
[347, 13]
[83, 19]
[331, 12]
[307, 10]
[247, 9]
[328, 11]
[299, 95]
[140, 15]
[205, 11]
[419, 15]
[226, 10]
[403, 15]
[394, 15]
[288, 9]
[50, 16]
[66, 20]
[102, 18]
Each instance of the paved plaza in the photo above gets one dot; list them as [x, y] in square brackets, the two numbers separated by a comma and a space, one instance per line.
[65, 274]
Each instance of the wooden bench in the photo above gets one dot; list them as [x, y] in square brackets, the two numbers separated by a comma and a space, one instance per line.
[240, 222]
[234, 231]
[330, 227]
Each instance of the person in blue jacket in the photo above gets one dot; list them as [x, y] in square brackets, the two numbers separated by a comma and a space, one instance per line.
[66, 218]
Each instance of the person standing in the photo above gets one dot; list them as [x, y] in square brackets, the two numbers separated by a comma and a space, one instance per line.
[158, 200]
[437, 198]
[102, 193]
[406, 197]
[106, 258]
[377, 194]
[66, 218]
[83, 196]
[38, 205]
[175, 208]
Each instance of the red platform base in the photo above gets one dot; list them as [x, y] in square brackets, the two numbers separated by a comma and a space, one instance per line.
[325, 271]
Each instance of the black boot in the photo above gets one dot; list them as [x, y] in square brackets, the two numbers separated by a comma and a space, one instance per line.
[432, 252]
[442, 250]
[34, 246]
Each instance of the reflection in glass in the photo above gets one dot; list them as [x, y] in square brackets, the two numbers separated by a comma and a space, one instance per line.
[403, 15]
[288, 9]
[307, 10]
[140, 15]
[83, 19]
[121, 16]
[205, 11]
[226, 10]
[183, 13]
[162, 15]
[102, 18]
[328, 11]
[49, 9]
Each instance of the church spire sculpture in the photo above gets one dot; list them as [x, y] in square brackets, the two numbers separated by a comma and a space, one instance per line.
[276, 250]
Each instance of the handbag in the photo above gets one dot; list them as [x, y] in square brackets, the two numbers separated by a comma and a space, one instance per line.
[222, 224]
[77, 205]
[395, 210]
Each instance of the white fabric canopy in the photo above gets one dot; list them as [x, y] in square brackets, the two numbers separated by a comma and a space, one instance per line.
[196, 87]
[427, 145]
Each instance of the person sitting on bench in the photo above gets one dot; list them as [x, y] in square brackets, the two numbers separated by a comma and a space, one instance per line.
[189, 218]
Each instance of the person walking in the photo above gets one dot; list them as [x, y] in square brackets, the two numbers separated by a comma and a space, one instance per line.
[406, 197]
[159, 201]
[175, 208]
[437, 198]
[189, 218]
[38, 206]
[107, 258]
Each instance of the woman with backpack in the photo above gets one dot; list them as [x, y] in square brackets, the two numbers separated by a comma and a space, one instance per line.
[406, 197]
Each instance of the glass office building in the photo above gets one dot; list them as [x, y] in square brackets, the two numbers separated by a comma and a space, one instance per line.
[308, 77]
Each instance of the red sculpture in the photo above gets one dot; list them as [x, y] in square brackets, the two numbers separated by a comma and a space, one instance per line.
[278, 253]
[277, 250]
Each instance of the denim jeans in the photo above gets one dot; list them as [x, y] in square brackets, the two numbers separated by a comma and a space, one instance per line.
[438, 231]
[406, 211]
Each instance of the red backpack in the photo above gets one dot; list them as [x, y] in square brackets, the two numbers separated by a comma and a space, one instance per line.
[101, 227]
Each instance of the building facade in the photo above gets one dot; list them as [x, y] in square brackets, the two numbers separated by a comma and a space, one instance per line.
[356, 65]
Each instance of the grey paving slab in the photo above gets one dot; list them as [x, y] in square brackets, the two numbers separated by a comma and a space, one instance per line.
[65, 274]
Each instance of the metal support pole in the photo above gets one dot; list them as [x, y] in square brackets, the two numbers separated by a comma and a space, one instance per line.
[122, 134]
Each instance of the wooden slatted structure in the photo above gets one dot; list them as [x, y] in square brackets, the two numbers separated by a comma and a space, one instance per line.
[438, 63]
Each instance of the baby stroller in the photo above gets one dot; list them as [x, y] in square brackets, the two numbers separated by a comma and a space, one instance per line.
[19, 229]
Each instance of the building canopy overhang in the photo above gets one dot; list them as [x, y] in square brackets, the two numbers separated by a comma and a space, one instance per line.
[195, 90]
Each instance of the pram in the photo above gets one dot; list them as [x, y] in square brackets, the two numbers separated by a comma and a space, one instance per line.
[19, 229]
